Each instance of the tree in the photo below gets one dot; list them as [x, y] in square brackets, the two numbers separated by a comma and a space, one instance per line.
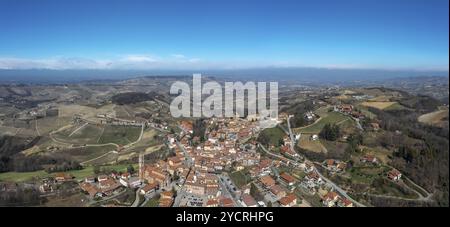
[264, 139]
[97, 169]
[130, 169]
[281, 142]
[174, 191]
[298, 121]
[330, 132]
[353, 142]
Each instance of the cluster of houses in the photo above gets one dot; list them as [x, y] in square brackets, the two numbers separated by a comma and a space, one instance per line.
[281, 191]
[312, 182]
[224, 147]
[286, 148]
[348, 109]
[333, 199]
[334, 166]
[102, 186]
[227, 145]
[150, 180]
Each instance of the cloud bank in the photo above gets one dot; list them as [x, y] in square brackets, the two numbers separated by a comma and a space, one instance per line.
[132, 61]
[173, 62]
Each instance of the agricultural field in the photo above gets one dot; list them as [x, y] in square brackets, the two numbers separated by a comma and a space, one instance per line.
[378, 105]
[323, 111]
[437, 118]
[80, 134]
[382, 154]
[86, 112]
[124, 112]
[396, 106]
[5, 130]
[47, 124]
[78, 174]
[240, 178]
[330, 118]
[74, 200]
[365, 174]
[365, 111]
[383, 186]
[274, 135]
[335, 148]
[120, 135]
[307, 144]
[381, 98]
[83, 154]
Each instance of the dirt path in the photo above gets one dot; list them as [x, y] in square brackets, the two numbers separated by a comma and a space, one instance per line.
[78, 129]
[93, 159]
[36, 126]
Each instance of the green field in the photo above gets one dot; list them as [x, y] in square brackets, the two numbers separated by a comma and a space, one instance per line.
[93, 134]
[78, 174]
[366, 112]
[240, 178]
[121, 135]
[275, 134]
[87, 153]
[395, 106]
[88, 134]
[366, 175]
[153, 202]
[330, 118]
[387, 187]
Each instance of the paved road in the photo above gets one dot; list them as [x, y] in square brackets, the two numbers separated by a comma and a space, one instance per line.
[137, 141]
[137, 199]
[270, 153]
[225, 191]
[421, 197]
[336, 187]
[78, 129]
[291, 135]
[189, 160]
[340, 190]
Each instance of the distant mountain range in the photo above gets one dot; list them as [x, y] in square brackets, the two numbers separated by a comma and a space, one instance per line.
[310, 75]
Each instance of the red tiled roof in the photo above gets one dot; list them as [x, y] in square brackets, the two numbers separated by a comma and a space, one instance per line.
[288, 199]
[248, 200]
[288, 178]
[268, 181]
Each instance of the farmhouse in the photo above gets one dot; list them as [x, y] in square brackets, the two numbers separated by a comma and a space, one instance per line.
[369, 159]
[394, 175]
[63, 177]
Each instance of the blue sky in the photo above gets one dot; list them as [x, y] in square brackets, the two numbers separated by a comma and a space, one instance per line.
[381, 34]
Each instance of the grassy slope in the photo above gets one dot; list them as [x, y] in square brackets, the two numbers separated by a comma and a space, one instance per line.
[78, 174]
[332, 117]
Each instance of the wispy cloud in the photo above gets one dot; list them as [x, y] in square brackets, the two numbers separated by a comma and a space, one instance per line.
[129, 61]
[173, 61]
[179, 56]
